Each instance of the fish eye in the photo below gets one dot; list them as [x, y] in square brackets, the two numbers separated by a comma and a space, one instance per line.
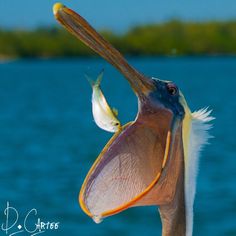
[116, 124]
[172, 89]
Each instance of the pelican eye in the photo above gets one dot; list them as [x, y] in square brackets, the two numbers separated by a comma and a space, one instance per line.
[172, 89]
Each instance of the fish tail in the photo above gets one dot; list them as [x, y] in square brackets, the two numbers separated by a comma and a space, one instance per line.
[99, 78]
[91, 82]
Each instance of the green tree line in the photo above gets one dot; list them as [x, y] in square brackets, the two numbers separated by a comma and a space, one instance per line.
[169, 38]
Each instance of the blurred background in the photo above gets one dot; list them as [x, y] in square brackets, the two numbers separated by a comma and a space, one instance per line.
[48, 137]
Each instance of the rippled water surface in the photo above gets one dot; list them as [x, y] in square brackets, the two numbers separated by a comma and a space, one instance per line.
[49, 140]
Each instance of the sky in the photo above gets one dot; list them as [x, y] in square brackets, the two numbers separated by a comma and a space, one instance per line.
[116, 15]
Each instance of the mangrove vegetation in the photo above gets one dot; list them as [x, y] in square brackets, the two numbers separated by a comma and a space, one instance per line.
[166, 39]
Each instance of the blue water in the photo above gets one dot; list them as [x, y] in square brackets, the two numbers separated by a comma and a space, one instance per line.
[49, 141]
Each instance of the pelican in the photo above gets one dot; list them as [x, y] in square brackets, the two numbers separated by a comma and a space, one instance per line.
[152, 160]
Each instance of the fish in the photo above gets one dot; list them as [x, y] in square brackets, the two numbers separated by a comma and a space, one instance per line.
[104, 116]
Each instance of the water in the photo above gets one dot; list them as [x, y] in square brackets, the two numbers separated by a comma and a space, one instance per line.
[48, 141]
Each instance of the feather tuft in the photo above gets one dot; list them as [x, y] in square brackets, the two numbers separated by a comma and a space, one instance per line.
[199, 137]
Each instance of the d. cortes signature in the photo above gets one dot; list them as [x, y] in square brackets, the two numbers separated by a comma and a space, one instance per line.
[13, 226]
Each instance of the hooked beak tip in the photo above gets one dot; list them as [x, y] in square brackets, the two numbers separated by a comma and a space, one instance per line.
[56, 7]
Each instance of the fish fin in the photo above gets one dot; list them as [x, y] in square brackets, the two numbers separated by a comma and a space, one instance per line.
[91, 82]
[99, 78]
[115, 111]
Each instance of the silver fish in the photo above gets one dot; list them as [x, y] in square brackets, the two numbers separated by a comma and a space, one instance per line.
[104, 116]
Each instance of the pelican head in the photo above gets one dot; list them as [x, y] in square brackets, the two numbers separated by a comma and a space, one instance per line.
[152, 160]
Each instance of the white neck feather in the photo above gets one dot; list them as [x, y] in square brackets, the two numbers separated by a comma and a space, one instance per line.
[198, 136]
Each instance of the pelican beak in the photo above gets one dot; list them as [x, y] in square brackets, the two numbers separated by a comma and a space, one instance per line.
[80, 28]
[134, 168]
[137, 167]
